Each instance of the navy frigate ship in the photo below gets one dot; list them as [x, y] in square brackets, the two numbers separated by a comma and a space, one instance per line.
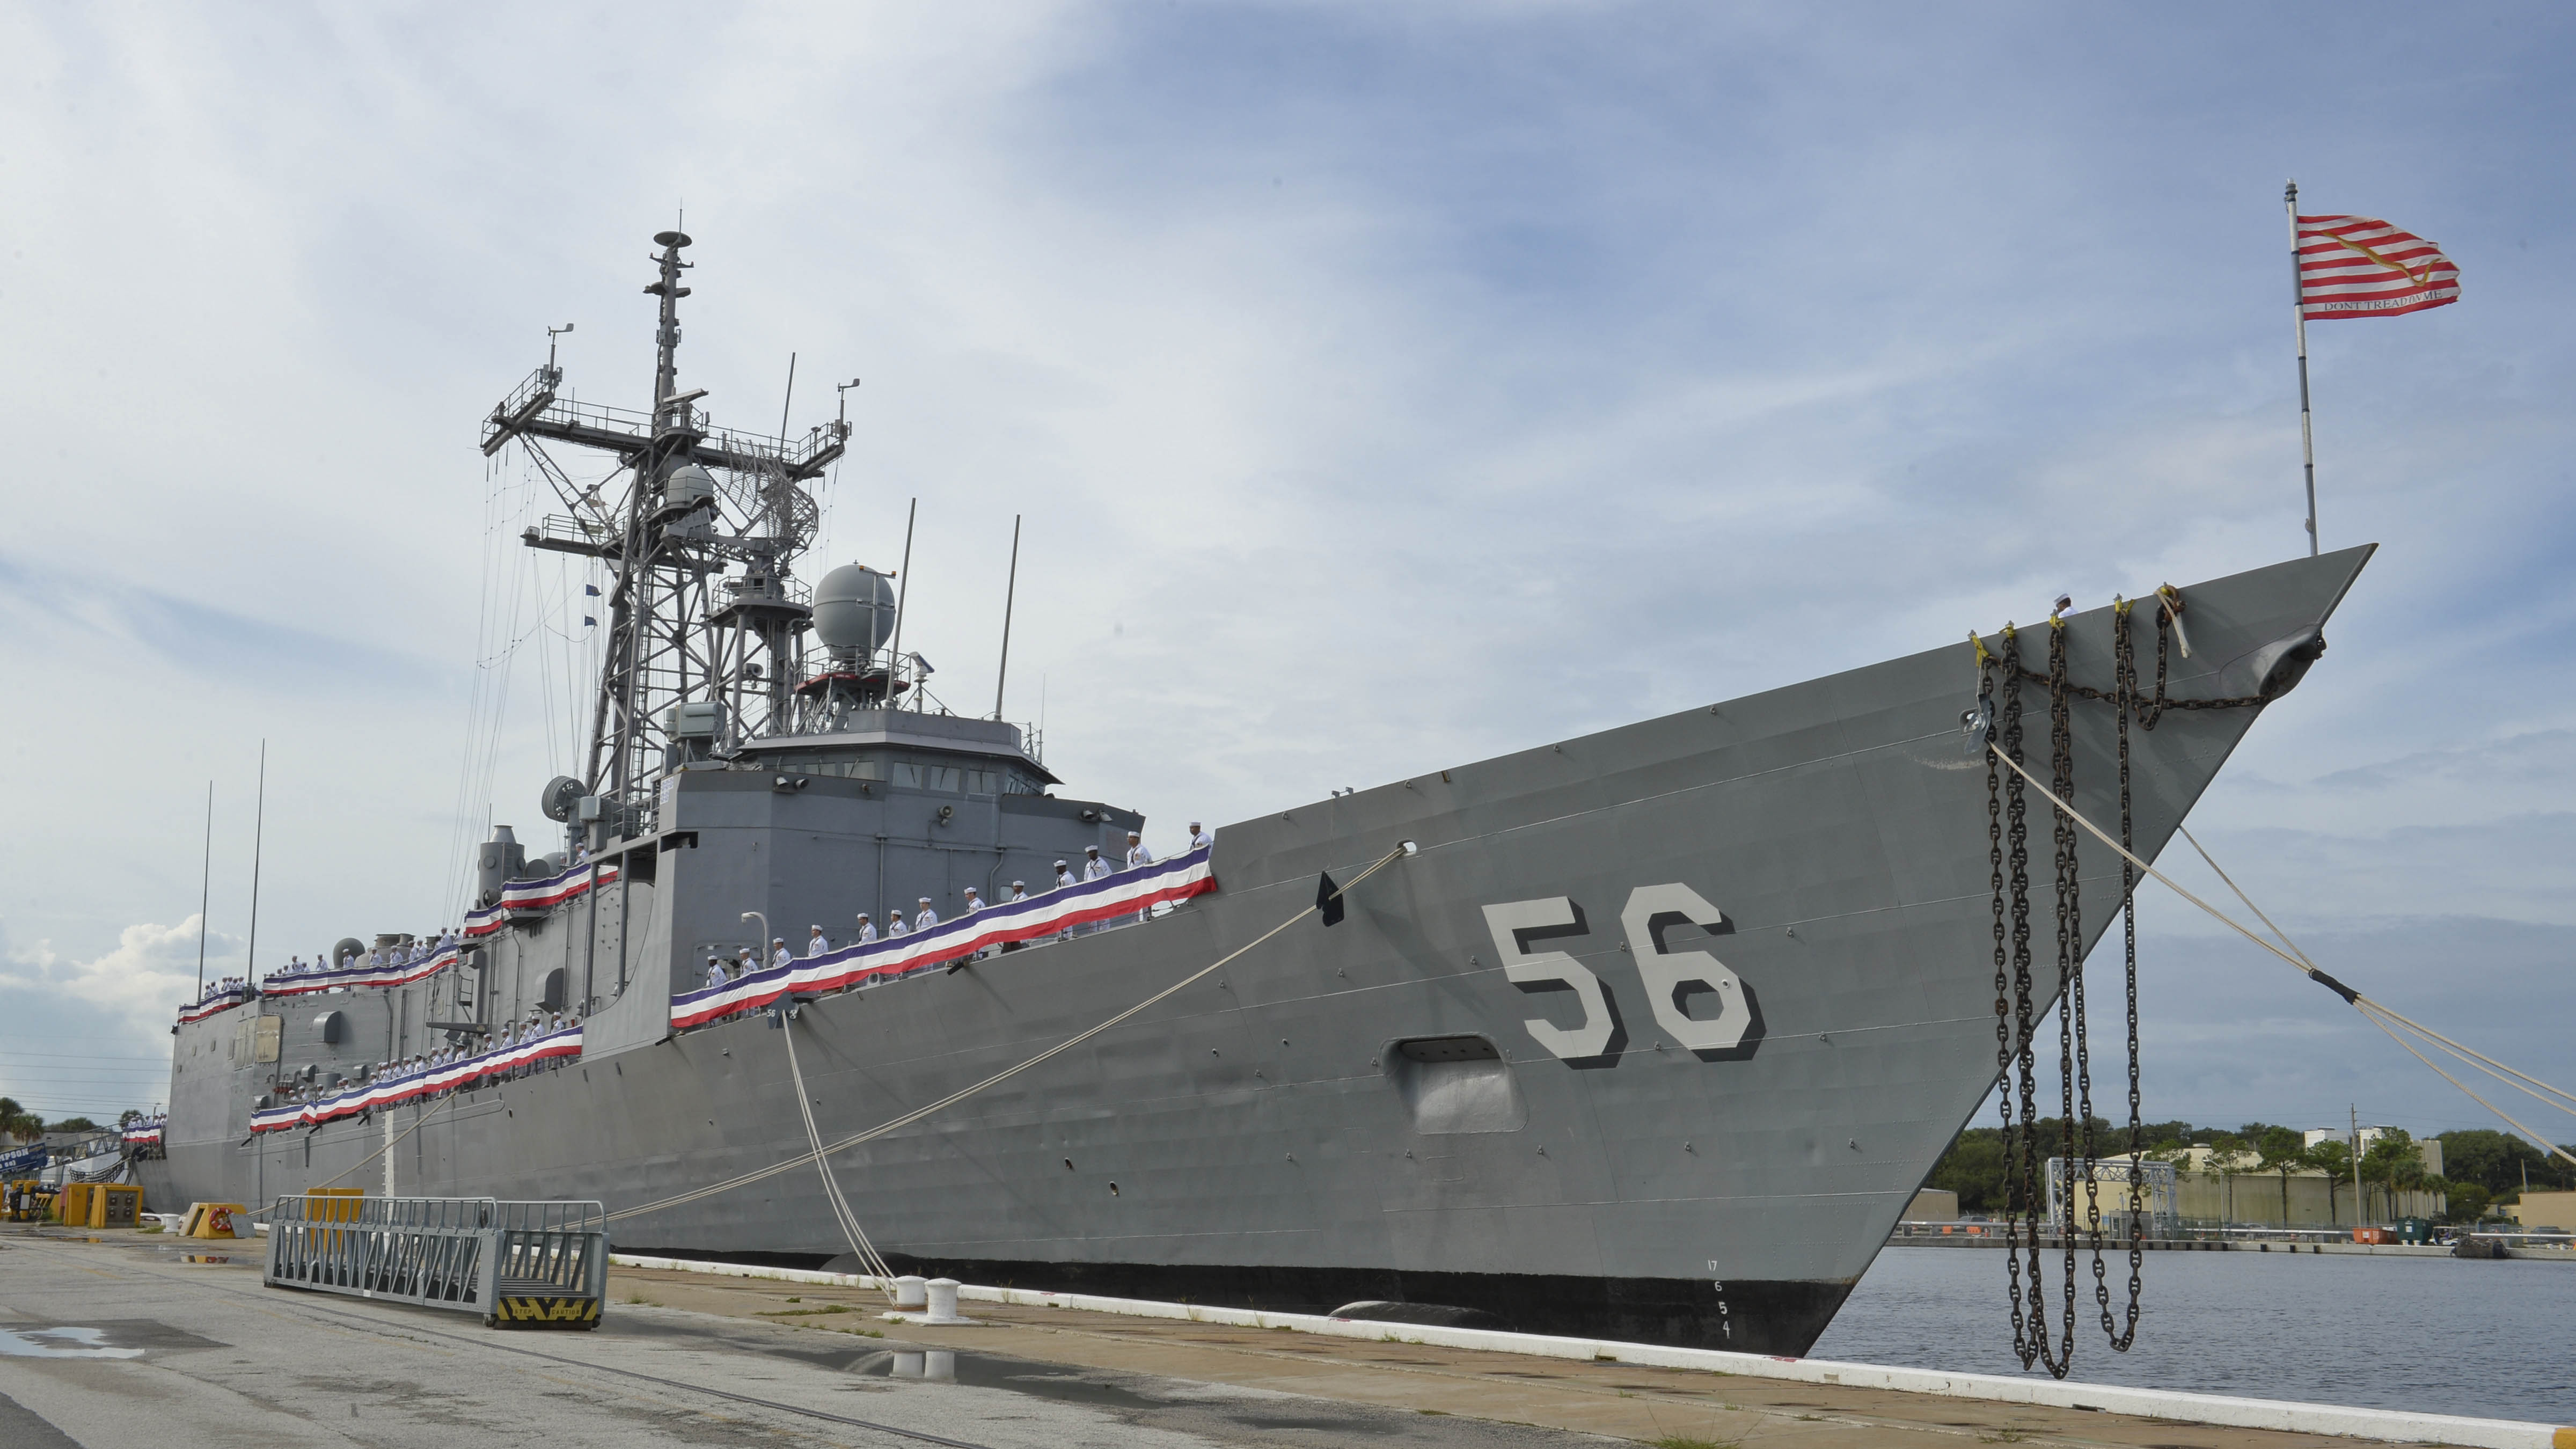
[1648, 1034]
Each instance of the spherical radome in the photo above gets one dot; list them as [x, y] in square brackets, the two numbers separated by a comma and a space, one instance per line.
[854, 608]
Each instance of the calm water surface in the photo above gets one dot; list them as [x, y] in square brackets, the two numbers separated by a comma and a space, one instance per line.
[2439, 1335]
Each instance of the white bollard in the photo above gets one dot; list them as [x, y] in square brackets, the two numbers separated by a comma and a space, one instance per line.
[907, 1292]
[943, 1301]
[907, 1364]
[939, 1365]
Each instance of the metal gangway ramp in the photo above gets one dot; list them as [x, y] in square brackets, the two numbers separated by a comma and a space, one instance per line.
[518, 1264]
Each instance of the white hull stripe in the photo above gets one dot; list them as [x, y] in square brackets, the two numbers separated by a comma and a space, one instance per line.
[1122, 894]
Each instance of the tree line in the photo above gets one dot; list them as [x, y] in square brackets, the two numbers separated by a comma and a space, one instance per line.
[2480, 1167]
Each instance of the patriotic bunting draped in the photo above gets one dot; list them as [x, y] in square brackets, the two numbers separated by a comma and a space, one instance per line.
[213, 1004]
[2360, 266]
[360, 974]
[527, 896]
[409, 1086]
[1123, 894]
[143, 1134]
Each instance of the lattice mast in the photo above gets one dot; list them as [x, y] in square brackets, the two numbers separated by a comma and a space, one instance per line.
[706, 618]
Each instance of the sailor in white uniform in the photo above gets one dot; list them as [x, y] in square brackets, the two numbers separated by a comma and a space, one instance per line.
[779, 955]
[1199, 836]
[1093, 867]
[974, 902]
[1138, 855]
[1019, 891]
[1063, 877]
[927, 917]
[817, 945]
[895, 926]
[867, 929]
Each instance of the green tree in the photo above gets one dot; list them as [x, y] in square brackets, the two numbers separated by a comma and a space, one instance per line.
[2395, 1163]
[16, 1120]
[1974, 1169]
[2468, 1201]
[2283, 1150]
[75, 1124]
[2334, 1159]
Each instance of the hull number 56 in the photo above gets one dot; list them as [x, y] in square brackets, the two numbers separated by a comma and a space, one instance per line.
[1519, 928]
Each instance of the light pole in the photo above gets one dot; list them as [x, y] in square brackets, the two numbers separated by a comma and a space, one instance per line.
[760, 943]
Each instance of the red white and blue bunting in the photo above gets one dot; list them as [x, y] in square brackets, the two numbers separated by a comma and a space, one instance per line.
[360, 974]
[526, 897]
[225, 1001]
[1123, 894]
[410, 1086]
[143, 1134]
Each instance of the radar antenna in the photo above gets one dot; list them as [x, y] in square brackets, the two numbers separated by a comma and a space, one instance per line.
[706, 617]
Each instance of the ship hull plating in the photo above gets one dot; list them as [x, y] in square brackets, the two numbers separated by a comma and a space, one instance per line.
[1734, 968]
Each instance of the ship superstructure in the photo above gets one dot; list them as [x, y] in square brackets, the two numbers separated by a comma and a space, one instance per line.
[1649, 1033]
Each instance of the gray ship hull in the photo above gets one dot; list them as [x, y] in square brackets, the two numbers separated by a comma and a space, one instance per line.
[1709, 1148]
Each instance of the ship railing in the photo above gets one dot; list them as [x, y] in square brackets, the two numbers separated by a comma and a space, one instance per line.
[512, 1262]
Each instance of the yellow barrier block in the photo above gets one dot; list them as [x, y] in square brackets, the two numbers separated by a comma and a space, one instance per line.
[337, 1205]
[216, 1220]
[71, 1205]
[115, 1205]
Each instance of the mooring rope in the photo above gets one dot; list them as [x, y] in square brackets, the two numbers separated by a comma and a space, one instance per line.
[860, 1247]
[2369, 1008]
[953, 1098]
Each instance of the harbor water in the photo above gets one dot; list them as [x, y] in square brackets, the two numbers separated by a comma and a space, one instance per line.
[2438, 1335]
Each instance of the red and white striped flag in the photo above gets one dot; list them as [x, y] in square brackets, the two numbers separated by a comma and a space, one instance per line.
[2360, 266]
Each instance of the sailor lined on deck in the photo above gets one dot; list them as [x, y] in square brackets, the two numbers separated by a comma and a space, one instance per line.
[1093, 867]
[974, 902]
[867, 929]
[816, 946]
[1063, 877]
[715, 971]
[927, 918]
[1199, 836]
[778, 952]
[1137, 854]
[895, 926]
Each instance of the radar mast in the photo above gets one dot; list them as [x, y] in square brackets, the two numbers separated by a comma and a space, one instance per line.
[706, 617]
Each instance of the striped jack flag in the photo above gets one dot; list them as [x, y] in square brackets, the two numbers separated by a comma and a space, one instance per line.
[2360, 266]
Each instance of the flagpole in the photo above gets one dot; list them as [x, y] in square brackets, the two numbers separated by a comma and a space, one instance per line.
[2299, 317]
[206, 890]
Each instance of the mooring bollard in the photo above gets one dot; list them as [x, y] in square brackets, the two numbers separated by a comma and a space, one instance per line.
[943, 1301]
[908, 1291]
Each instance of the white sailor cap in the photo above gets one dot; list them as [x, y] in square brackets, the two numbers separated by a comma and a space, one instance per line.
[863, 915]
[1091, 850]
[778, 940]
[1059, 864]
[1132, 835]
[970, 890]
[925, 900]
[1019, 885]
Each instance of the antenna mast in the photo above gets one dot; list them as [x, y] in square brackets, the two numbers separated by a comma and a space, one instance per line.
[704, 608]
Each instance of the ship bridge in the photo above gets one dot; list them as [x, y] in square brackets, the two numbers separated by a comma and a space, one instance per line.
[911, 749]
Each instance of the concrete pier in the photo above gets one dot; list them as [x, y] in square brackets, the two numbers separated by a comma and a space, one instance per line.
[118, 1339]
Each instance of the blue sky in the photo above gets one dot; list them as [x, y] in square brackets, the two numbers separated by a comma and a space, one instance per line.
[1383, 388]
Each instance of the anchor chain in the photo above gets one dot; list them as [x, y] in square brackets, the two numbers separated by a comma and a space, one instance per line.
[2027, 1196]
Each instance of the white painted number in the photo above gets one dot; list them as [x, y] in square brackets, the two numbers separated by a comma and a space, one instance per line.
[1667, 972]
[1505, 921]
[1663, 973]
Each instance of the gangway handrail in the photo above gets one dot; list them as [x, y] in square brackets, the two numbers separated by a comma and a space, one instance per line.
[513, 1262]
